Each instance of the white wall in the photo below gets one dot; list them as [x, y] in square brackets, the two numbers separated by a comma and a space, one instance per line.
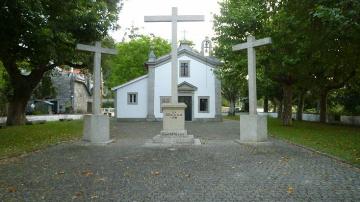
[54, 117]
[201, 76]
[132, 111]
[352, 120]
[162, 86]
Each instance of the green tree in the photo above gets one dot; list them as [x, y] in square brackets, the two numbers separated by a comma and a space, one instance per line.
[129, 63]
[43, 34]
[335, 46]
[45, 89]
[231, 88]
[315, 44]
[261, 18]
[3, 89]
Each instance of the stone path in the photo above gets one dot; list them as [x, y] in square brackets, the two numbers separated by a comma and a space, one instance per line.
[218, 170]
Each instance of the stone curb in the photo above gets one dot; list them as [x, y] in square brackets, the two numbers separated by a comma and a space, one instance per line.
[357, 168]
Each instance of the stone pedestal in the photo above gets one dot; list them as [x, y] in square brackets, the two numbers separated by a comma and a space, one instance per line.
[97, 129]
[174, 131]
[253, 128]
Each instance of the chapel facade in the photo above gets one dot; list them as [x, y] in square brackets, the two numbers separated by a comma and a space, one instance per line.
[198, 87]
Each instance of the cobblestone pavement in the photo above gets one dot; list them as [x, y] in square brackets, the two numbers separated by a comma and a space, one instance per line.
[218, 170]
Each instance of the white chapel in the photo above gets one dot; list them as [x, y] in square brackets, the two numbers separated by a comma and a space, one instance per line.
[198, 87]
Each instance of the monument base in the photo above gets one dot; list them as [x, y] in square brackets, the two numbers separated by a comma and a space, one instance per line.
[174, 132]
[97, 129]
[253, 128]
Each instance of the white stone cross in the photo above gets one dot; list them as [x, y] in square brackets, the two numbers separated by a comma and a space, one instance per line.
[97, 49]
[184, 34]
[174, 18]
[250, 46]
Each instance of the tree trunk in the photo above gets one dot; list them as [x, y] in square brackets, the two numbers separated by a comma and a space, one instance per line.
[246, 107]
[323, 106]
[287, 114]
[232, 108]
[266, 104]
[275, 105]
[16, 111]
[23, 87]
[300, 106]
[280, 109]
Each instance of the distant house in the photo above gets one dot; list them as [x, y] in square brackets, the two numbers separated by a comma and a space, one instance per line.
[73, 93]
[198, 88]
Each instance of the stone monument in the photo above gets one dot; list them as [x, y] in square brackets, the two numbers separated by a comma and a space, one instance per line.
[96, 125]
[174, 131]
[253, 127]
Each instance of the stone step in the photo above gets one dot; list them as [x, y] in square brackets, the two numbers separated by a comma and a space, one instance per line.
[174, 139]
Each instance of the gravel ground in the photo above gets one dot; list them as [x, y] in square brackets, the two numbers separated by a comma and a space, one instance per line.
[217, 170]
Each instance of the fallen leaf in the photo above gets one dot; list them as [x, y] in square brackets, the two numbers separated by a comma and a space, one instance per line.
[87, 173]
[94, 196]
[290, 190]
[156, 173]
[285, 159]
[60, 173]
[102, 179]
[77, 195]
[11, 189]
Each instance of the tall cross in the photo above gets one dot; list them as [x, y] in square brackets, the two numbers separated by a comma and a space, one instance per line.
[250, 46]
[174, 18]
[97, 49]
[184, 34]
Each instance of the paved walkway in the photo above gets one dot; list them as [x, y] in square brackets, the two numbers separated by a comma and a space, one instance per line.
[218, 170]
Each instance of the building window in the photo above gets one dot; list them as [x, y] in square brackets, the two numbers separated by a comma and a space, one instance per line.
[132, 98]
[203, 104]
[164, 99]
[184, 68]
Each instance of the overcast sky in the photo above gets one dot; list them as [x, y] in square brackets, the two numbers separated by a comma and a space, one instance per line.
[133, 13]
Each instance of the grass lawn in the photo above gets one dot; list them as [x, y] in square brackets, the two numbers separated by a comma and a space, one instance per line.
[18, 140]
[337, 140]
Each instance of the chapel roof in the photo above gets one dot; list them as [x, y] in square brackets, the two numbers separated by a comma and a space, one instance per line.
[130, 82]
[185, 49]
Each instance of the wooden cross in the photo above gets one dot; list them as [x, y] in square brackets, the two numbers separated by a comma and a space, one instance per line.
[174, 18]
[97, 49]
[250, 46]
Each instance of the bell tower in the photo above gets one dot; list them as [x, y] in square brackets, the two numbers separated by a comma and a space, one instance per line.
[206, 47]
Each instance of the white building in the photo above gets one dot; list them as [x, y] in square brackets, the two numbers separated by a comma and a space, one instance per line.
[198, 88]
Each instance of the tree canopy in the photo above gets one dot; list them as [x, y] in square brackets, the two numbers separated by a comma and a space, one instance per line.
[129, 63]
[315, 45]
[42, 34]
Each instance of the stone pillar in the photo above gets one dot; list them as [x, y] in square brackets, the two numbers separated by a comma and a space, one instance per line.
[115, 104]
[151, 87]
[174, 131]
[96, 126]
[174, 59]
[252, 77]
[253, 128]
[97, 129]
[96, 107]
[218, 104]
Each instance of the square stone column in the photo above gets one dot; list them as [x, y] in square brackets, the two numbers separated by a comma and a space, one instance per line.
[97, 129]
[174, 132]
[253, 128]
[173, 119]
